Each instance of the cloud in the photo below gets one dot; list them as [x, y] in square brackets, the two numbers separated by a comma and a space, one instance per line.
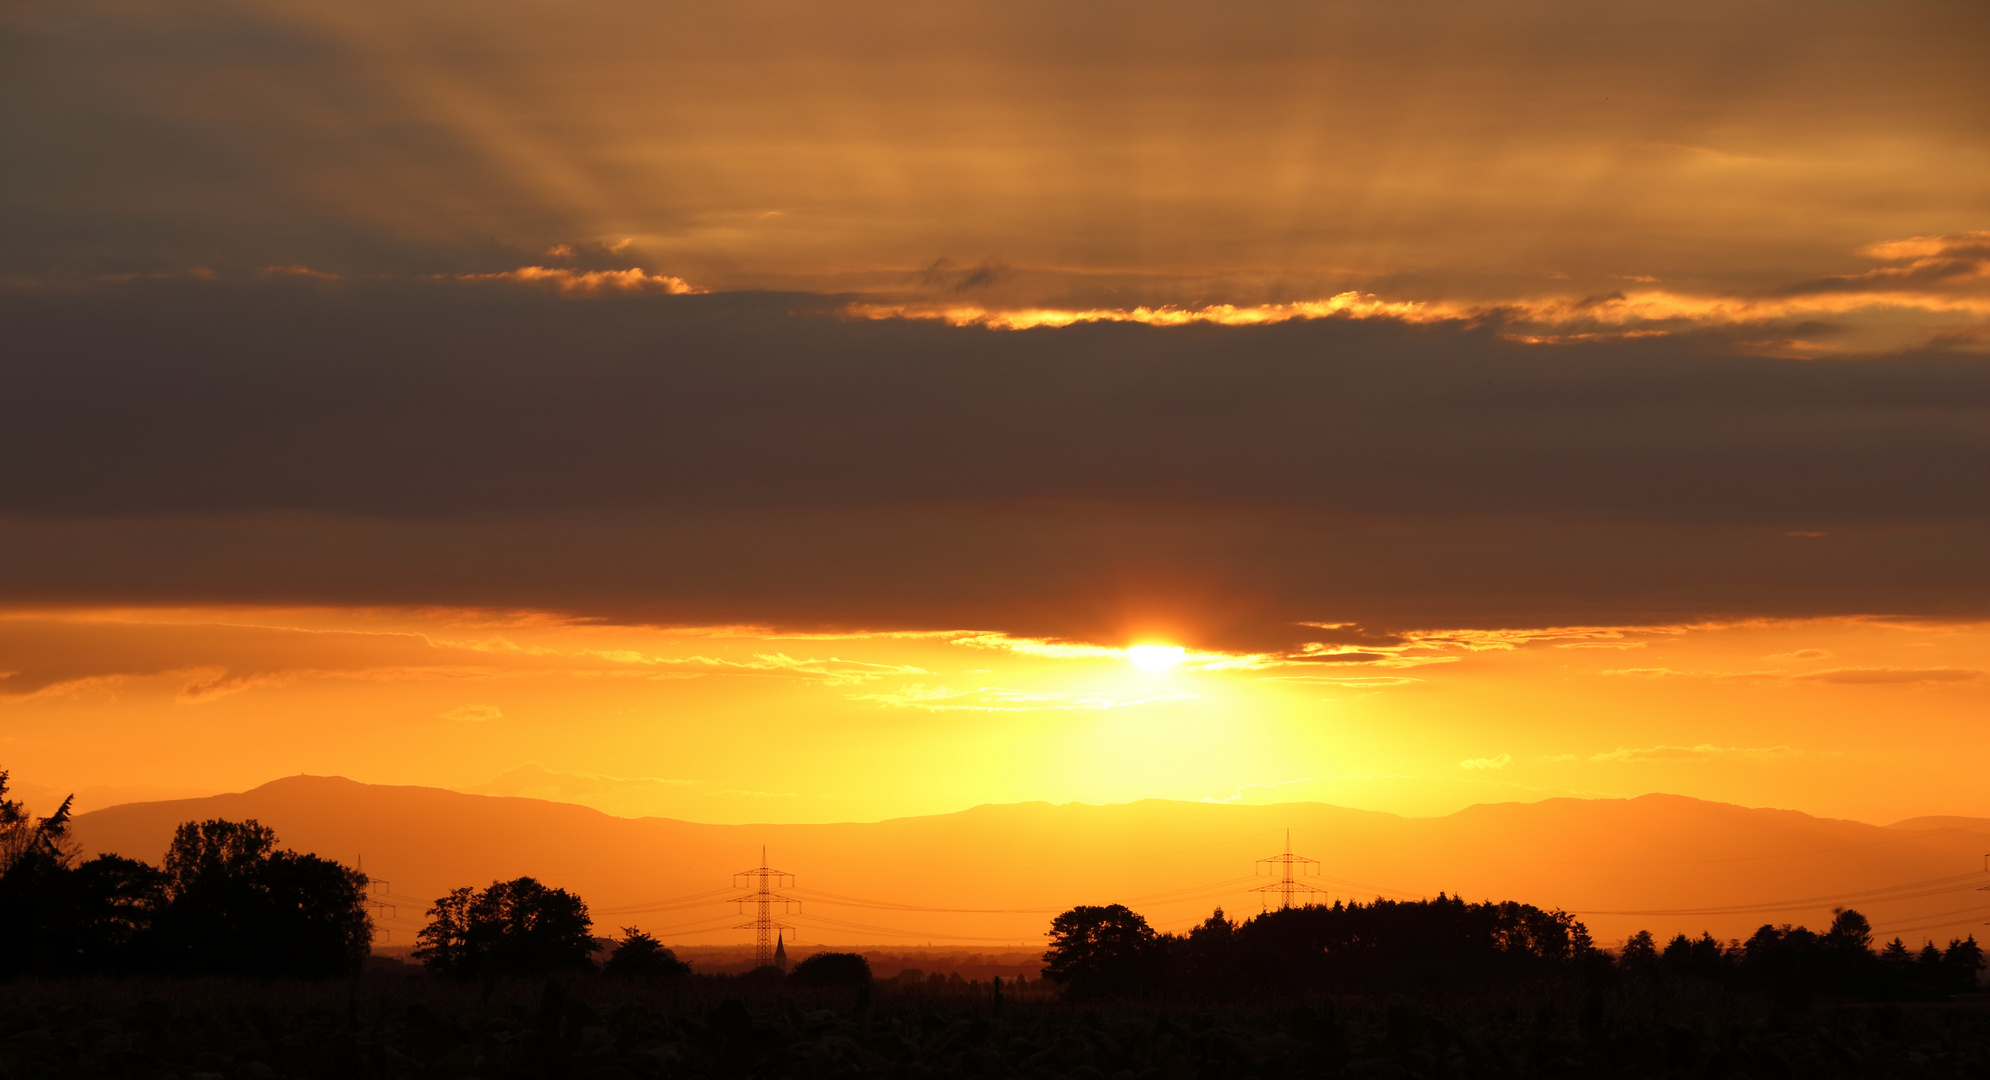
[474, 714]
[1002, 699]
[724, 459]
[1886, 676]
[1850, 676]
[55, 654]
[1343, 305]
[209, 684]
[632, 281]
[1958, 258]
[1701, 752]
[1500, 762]
[1946, 277]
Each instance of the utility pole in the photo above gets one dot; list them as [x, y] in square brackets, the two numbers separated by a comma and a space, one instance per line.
[1285, 867]
[763, 881]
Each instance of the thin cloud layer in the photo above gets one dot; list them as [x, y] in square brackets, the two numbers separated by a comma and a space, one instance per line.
[53, 655]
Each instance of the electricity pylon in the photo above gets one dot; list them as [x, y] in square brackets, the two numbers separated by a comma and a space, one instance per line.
[1283, 867]
[378, 910]
[763, 881]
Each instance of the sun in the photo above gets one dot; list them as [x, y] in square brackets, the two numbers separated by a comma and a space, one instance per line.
[1156, 657]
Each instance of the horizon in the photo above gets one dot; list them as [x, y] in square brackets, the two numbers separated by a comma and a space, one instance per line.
[49, 798]
[1666, 864]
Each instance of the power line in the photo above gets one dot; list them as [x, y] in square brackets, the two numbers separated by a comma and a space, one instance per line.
[1915, 890]
[834, 900]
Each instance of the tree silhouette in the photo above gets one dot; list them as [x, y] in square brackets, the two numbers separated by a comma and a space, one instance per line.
[1098, 950]
[226, 902]
[23, 839]
[114, 903]
[641, 956]
[516, 927]
[34, 859]
[236, 905]
[1640, 952]
[1962, 965]
[832, 969]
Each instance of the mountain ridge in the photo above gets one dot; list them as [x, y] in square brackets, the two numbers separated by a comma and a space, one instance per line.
[900, 880]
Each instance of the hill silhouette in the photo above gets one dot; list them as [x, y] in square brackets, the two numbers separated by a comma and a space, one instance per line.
[996, 873]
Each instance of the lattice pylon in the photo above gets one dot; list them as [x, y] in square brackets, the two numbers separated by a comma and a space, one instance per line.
[763, 880]
[1288, 868]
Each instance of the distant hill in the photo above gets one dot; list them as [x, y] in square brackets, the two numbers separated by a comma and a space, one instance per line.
[993, 875]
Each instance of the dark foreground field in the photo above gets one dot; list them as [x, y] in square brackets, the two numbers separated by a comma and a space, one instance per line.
[388, 1025]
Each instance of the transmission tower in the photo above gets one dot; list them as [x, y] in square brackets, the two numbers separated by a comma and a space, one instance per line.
[763, 881]
[1286, 868]
[378, 910]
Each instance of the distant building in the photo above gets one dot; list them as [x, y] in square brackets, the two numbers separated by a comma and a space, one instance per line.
[780, 953]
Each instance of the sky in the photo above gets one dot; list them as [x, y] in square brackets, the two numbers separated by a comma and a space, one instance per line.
[801, 412]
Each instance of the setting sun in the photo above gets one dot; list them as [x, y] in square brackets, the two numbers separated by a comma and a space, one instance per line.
[1156, 657]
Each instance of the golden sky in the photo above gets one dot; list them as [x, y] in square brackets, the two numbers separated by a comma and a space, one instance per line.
[794, 411]
[1870, 719]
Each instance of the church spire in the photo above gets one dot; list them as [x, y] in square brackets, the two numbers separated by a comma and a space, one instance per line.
[780, 952]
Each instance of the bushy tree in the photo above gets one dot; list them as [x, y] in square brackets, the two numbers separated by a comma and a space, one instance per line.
[832, 969]
[641, 956]
[1099, 950]
[516, 927]
[237, 905]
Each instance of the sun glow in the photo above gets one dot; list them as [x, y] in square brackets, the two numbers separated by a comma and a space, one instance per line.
[1156, 657]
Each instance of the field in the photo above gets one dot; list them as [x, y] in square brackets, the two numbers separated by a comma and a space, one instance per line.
[395, 1025]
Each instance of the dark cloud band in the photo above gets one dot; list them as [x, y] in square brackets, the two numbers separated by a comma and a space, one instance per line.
[750, 457]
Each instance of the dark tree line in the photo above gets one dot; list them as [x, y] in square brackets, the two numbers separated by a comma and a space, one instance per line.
[1111, 950]
[226, 901]
[1794, 961]
[1391, 945]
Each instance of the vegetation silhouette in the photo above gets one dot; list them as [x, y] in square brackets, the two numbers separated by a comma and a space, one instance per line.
[1096, 951]
[640, 956]
[237, 905]
[832, 969]
[516, 927]
[1100, 951]
[226, 902]
[1393, 946]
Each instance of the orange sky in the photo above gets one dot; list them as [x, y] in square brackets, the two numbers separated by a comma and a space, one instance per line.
[1875, 720]
[792, 411]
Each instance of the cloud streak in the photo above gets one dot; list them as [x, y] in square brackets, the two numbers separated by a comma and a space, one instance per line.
[999, 699]
[1699, 752]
